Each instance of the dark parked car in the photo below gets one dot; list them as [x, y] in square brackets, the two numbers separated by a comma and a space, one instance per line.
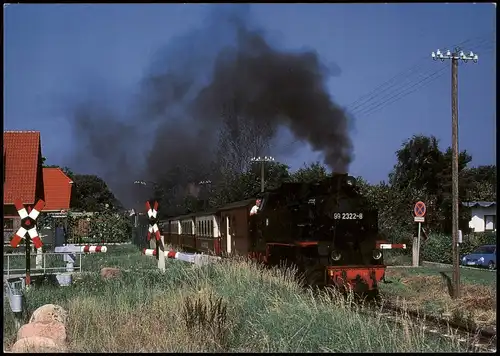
[483, 256]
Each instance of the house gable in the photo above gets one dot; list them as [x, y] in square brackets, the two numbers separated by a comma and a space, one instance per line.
[22, 167]
[483, 215]
[57, 187]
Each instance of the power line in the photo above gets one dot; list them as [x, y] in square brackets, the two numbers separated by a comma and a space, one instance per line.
[398, 97]
[404, 92]
[365, 108]
[379, 89]
[407, 73]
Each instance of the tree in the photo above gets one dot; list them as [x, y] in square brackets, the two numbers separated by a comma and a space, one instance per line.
[423, 172]
[482, 183]
[309, 174]
[394, 213]
[92, 194]
[247, 185]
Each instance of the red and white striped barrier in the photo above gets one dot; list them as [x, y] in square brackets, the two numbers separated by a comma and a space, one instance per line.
[93, 249]
[70, 251]
[149, 252]
[28, 224]
[382, 246]
[193, 258]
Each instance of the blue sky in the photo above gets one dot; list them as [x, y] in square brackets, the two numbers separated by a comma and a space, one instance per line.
[53, 51]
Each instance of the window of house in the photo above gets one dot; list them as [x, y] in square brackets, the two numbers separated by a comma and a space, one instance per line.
[8, 224]
[490, 222]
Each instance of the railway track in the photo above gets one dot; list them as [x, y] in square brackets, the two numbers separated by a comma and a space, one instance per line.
[477, 339]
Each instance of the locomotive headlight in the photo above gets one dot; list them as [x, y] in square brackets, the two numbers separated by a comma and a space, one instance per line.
[335, 255]
[377, 254]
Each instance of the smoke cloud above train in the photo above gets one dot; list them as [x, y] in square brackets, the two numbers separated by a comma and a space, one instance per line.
[223, 76]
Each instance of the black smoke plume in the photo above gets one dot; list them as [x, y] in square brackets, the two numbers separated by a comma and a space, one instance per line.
[224, 75]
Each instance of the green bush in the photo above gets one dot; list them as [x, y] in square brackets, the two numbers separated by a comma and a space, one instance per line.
[438, 248]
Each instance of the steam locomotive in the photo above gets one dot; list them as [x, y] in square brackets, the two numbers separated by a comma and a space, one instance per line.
[327, 230]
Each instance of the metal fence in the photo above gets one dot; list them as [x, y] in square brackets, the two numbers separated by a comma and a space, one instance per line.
[15, 264]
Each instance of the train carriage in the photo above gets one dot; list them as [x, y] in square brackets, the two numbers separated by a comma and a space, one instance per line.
[326, 229]
[207, 237]
[234, 221]
[171, 229]
[187, 236]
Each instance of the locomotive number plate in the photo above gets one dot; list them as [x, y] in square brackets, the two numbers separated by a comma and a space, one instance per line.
[348, 216]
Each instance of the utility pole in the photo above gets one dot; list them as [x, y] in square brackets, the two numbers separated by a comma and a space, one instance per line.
[262, 161]
[455, 57]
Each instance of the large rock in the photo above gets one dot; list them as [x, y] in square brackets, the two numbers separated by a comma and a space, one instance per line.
[35, 344]
[49, 313]
[109, 272]
[53, 330]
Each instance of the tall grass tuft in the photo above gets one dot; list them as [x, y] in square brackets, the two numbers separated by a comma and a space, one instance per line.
[232, 306]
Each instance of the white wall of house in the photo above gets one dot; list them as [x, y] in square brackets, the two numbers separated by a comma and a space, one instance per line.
[483, 219]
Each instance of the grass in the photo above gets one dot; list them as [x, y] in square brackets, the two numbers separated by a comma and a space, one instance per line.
[397, 258]
[234, 306]
[427, 289]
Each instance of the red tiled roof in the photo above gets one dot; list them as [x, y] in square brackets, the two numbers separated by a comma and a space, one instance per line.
[22, 150]
[57, 187]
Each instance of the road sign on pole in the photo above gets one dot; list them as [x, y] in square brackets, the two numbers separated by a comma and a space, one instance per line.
[419, 210]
